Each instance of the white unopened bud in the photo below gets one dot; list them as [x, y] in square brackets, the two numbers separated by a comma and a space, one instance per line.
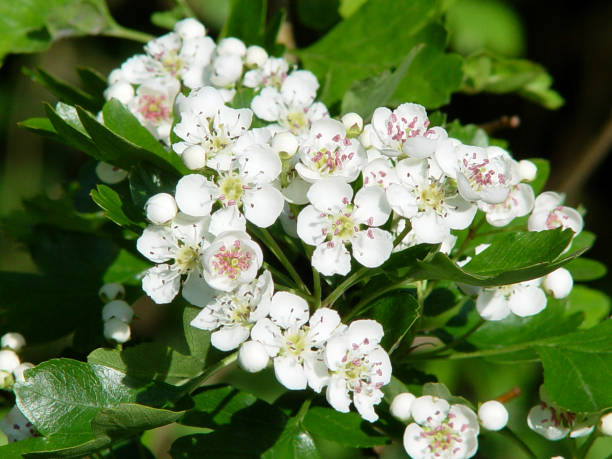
[285, 144]
[256, 56]
[401, 406]
[117, 330]
[232, 46]
[18, 372]
[161, 208]
[353, 123]
[189, 28]
[227, 70]
[111, 291]
[110, 174]
[16, 426]
[6, 380]
[559, 283]
[118, 309]
[194, 157]
[13, 340]
[527, 170]
[605, 424]
[115, 76]
[252, 356]
[493, 415]
[366, 136]
[121, 90]
[9, 360]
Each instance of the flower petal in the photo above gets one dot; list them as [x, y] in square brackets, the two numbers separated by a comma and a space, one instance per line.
[288, 310]
[372, 247]
[331, 258]
[290, 373]
[262, 205]
[229, 338]
[195, 195]
[162, 283]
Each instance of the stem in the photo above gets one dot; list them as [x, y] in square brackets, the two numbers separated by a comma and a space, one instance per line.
[586, 447]
[276, 273]
[364, 304]
[453, 343]
[301, 414]
[316, 282]
[403, 234]
[309, 298]
[511, 435]
[267, 239]
[344, 285]
[128, 34]
[195, 382]
[186, 8]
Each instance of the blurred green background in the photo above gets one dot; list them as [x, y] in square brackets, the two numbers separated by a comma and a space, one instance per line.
[573, 41]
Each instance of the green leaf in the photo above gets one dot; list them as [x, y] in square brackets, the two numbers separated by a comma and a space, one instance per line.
[116, 210]
[64, 91]
[318, 14]
[397, 313]
[347, 429]
[441, 391]
[295, 442]
[126, 269]
[247, 20]
[121, 122]
[469, 134]
[577, 369]
[486, 72]
[29, 26]
[167, 19]
[128, 419]
[349, 7]
[583, 241]
[216, 406]
[72, 136]
[346, 54]
[40, 126]
[149, 361]
[94, 83]
[54, 446]
[146, 181]
[365, 96]
[585, 269]
[594, 304]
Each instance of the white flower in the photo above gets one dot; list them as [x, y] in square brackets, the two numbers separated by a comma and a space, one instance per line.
[152, 106]
[404, 131]
[441, 430]
[16, 426]
[523, 299]
[182, 241]
[9, 360]
[117, 330]
[429, 199]
[208, 123]
[284, 144]
[293, 107]
[544, 420]
[333, 221]
[527, 170]
[252, 356]
[357, 364]
[122, 90]
[297, 348]
[519, 203]
[605, 424]
[230, 260]
[271, 74]
[111, 291]
[493, 415]
[353, 123]
[401, 406]
[160, 208]
[549, 213]
[189, 28]
[234, 313]
[13, 340]
[558, 283]
[255, 56]
[118, 309]
[194, 157]
[328, 152]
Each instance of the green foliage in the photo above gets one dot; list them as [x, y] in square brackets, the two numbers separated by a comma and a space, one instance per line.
[115, 209]
[397, 314]
[344, 428]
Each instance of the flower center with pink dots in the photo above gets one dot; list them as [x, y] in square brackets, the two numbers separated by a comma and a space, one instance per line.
[444, 438]
[154, 108]
[231, 261]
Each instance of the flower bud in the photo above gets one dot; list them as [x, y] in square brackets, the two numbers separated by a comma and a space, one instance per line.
[117, 330]
[118, 309]
[353, 123]
[18, 372]
[189, 28]
[493, 415]
[559, 283]
[401, 406]
[110, 174]
[252, 356]
[605, 424]
[111, 291]
[161, 208]
[231, 46]
[115, 76]
[121, 90]
[227, 69]
[527, 170]
[194, 157]
[9, 360]
[13, 340]
[285, 144]
[256, 56]
[6, 380]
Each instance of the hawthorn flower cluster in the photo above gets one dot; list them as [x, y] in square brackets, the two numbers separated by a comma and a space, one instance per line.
[351, 192]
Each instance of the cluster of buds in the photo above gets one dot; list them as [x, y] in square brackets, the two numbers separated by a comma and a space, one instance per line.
[116, 313]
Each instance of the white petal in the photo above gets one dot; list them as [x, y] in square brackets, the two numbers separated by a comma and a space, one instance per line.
[161, 283]
[322, 324]
[371, 206]
[288, 310]
[331, 258]
[311, 226]
[195, 195]
[492, 305]
[260, 164]
[541, 420]
[337, 394]
[268, 104]
[430, 227]
[197, 291]
[316, 371]
[335, 351]
[365, 333]
[429, 411]
[402, 200]
[227, 219]
[205, 320]
[262, 205]
[365, 402]
[372, 247]
[527, 300]
[330, 194]
[300, 88]
[459, 213]
[157, 243]
[269, 334]
[290, 373]
[416, 442]
[229, 338]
